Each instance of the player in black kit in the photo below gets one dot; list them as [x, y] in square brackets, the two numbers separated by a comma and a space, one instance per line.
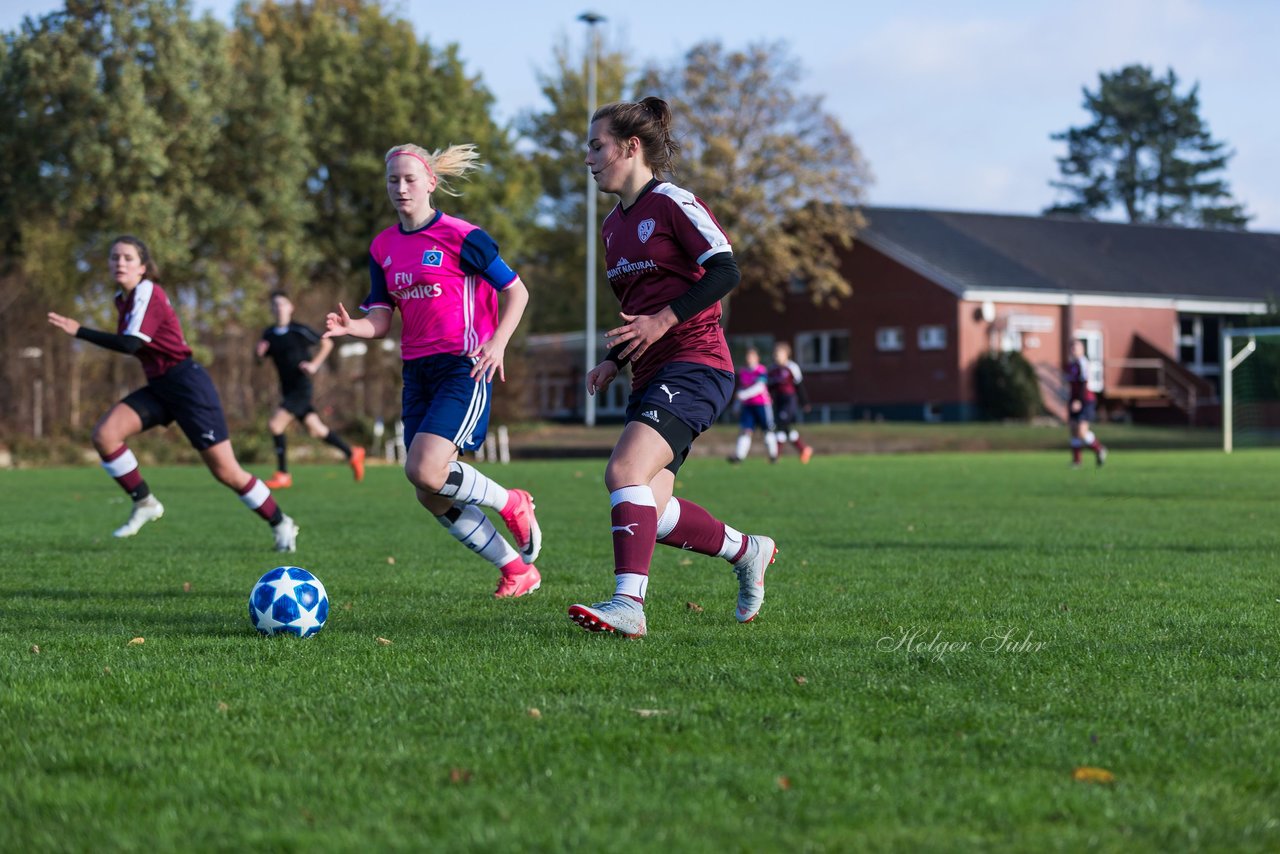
[290, 345]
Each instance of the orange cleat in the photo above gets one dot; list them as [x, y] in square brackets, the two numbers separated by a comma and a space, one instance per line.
[280, 480]
[357, 463]
[806, 454]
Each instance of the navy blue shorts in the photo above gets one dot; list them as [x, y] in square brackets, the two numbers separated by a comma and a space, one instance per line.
[757, 415]
[680, 402]
[1088, 412]
[185, 394]
[442, 399]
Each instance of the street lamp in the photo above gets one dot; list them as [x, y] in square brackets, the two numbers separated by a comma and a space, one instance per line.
[593, 55]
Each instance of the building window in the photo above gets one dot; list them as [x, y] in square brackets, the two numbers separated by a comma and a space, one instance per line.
[823, 350]
[889, 339]
[932, 337]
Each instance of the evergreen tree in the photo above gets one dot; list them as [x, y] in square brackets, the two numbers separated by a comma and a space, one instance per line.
[1148, 152]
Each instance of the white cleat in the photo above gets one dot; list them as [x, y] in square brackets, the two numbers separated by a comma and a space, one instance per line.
[144, 511]
[761, 551]
[286, 535]
[620, 615]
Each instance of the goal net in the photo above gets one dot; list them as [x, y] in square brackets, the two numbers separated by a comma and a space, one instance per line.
[1250, 387]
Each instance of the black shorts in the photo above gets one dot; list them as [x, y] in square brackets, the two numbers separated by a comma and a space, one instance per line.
[297, 401]
[185, 394]
[786, 411]
[1088, 412]
[681, 401]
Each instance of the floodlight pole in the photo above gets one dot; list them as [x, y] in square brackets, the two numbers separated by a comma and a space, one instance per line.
[589, 342]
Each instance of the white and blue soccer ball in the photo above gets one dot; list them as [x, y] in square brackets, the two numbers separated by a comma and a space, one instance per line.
[288, 600]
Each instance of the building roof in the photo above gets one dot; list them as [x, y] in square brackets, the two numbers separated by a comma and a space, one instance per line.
[972, 253]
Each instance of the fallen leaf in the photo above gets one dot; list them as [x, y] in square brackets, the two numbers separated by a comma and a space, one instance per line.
[800, 680]
[686, 561]
[107, 670]
[784, 783]
[651, 713]
[694, 607]
[1089, 774]
[391, 561]
[186, 587]
[459, 775]
[137, 642]
[222, 707]
[35, 650]
[534, 713]
[346, 606]
[384, 642]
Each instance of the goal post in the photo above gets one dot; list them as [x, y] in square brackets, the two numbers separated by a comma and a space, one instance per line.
[1231, 361]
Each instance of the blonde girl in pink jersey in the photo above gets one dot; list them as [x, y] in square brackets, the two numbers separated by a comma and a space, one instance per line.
[444, 275]
[669, 263]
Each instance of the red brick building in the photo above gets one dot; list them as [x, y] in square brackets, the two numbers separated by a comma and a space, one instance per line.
[933, 290]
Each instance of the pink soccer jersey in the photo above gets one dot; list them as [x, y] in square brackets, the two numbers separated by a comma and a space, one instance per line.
[145, 312]
[654, 252]
[753, 387]
[444, 278]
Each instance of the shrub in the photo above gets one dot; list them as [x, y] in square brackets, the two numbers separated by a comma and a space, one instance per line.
[1007, 386]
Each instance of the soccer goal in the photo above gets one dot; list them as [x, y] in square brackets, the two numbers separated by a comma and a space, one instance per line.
[1250, 387]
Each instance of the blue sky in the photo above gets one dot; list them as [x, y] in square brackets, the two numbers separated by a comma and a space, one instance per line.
[951, 103]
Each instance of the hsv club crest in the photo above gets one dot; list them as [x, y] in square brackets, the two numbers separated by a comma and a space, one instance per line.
[645, 230]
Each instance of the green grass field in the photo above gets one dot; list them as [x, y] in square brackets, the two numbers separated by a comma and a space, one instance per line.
[1139, 604]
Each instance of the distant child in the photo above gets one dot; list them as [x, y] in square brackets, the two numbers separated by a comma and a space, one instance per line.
[1083, 407]
[289, 345]
[786, 387]
[757, 408]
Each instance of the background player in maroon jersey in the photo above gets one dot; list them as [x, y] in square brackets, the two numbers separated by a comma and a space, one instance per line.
[289, 345]
[669, 263]
[177, 389]
[786, 387]
[1083, 406]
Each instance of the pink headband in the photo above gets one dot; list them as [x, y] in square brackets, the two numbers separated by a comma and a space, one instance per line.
[399, 152]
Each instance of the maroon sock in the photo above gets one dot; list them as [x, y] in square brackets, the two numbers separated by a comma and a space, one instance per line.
[1075, 453]
[696, 530]
[257, 498]
[122, 465]
[635, 529]
[800, 445]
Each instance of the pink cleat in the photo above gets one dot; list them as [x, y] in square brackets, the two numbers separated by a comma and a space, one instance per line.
[519, 518]
[517, 580]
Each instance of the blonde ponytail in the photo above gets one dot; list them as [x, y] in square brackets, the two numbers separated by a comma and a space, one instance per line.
[452, 162]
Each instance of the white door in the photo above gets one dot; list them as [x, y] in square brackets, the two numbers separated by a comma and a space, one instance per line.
[1092, 339]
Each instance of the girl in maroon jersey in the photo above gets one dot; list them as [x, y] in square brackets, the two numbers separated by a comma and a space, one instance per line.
[669, 263]
[177, 389]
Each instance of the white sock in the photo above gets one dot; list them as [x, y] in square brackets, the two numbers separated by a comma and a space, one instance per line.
[631, 584]
[468, 486]
[732, 543]
[468, 524]
[670, 517]
[771, 444]
[744, 445]
[1089, 438]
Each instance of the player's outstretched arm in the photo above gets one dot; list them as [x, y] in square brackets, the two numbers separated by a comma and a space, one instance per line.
[66, 324]
[375, 325]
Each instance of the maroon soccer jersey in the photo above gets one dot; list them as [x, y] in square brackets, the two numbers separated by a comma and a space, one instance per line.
[145, 313]
[1078, 380]
[654, 251]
